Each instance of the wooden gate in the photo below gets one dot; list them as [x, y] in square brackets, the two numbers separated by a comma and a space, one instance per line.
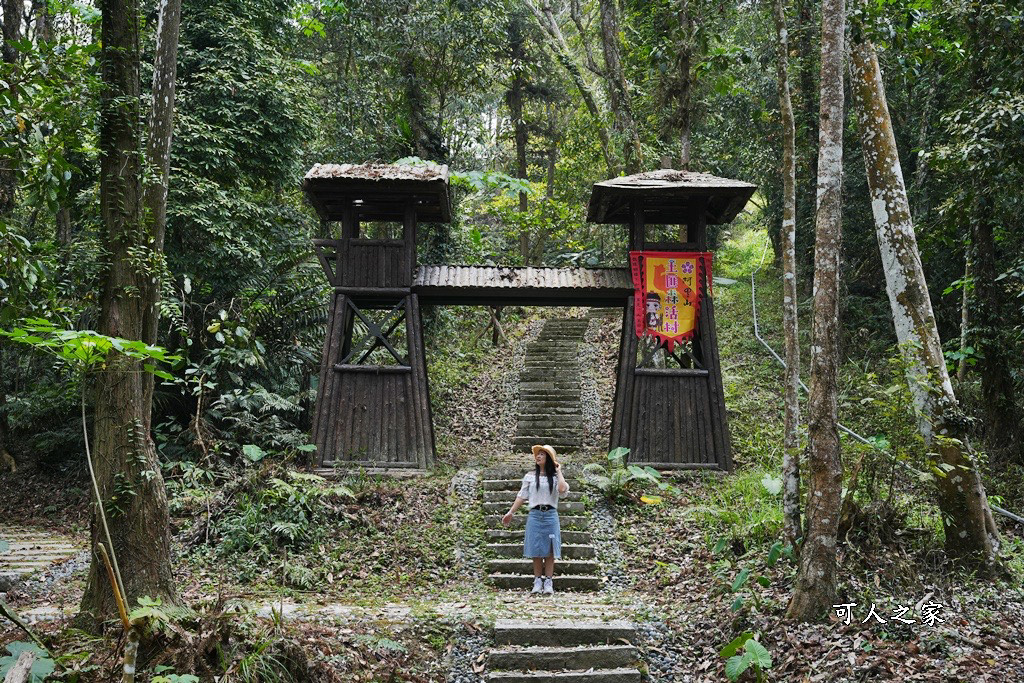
[373, 399]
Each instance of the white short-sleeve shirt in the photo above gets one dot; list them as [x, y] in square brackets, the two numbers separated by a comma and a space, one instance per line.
[540, 495]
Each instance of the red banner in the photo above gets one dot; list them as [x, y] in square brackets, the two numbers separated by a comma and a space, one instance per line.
[668, 286]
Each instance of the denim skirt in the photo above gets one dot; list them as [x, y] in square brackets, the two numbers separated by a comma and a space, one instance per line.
[543, 535]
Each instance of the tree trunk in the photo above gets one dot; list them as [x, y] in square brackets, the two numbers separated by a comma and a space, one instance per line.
[618, 92]
[999, 401]
[6, 459]
[965, 298]
[160, 128]
[1003, 429]
[815, 585]
[556, 41]
[685, 86]
[515, 97]
[967, 520]
[127, 469]
[11, 29]
[791, 441]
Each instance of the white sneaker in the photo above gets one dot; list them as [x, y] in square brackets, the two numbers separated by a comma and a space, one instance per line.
[549, 586]
[538, 585]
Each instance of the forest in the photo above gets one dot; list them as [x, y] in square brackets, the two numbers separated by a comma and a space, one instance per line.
[166, 515]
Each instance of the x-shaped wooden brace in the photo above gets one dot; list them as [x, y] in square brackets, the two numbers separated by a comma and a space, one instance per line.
[378, 335]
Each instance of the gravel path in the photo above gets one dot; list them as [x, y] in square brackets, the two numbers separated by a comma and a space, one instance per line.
[606, 545]
[466, 523]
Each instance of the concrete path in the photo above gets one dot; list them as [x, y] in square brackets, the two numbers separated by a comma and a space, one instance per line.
[26, 550]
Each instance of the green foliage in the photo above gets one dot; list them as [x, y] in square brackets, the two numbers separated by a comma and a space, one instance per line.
[288, 513]
[85, 350]
[755, 657]
[42, 666]
[618, 481]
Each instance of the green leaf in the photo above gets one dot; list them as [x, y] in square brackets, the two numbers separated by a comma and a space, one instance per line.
[764, 581]
[253, 452]
[735, 666]
[759, 654]
[772, 484]
[720, 546]
[306, 448]
[737, 604]
[734, 647]
[774, 553]
[741, 579]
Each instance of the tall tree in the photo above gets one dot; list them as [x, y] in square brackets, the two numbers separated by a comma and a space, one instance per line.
[967, 520]
[11, 33]
[127, 469]
[791, 444]
[618, 91]
[556, 42]
[160, 129]
[815, 584]
[1004, 431]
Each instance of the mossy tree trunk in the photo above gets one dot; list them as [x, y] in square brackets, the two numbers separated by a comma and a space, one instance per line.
[160, 130]
[127, 469]
[969, 529]
[618, 92]
[815, 585]
[791, 440]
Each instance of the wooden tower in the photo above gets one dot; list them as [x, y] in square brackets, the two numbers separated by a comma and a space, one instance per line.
[373, 402]
[670, 407]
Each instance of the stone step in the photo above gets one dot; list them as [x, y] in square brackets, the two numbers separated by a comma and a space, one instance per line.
[622, 675]
[570, 551]
[502, 496]
[515, 537]
[549, 384]
[564, 582]
[564, 506]
[561, 445]
[539, 405]
[557, 658]
[575, 522]
[558, 419]
[550, 426]
[551, 436]
[509, 484]
[524, 566]
[562, 632]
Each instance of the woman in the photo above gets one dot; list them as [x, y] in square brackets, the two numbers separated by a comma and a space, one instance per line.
[543, 538]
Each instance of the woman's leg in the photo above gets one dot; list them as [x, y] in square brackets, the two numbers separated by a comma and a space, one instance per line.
[538, 567]
[549, 565]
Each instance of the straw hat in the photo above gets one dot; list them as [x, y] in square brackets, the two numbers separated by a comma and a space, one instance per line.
[550, 450]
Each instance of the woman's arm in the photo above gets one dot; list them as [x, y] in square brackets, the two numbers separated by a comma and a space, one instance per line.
[563, 485]
[507, 519]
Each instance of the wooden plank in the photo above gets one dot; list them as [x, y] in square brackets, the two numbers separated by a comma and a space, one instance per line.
[387, 423]
[623, 379]
[431, 451]
[701, 452]
[409, 235]
[420, 385]
[671, 372]
[681, 426]
[373, 369]
[326, 405]
[401, 431]
[719, 420]
[371, 423]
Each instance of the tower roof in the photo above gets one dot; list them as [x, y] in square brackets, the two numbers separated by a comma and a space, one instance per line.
[379, 191]
[667, 196]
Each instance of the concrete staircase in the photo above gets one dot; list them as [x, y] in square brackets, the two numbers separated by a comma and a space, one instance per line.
[577, 570]
[569, 651]
[549, 388]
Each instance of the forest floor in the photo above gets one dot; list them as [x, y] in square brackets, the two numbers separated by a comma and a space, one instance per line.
[384, 581]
